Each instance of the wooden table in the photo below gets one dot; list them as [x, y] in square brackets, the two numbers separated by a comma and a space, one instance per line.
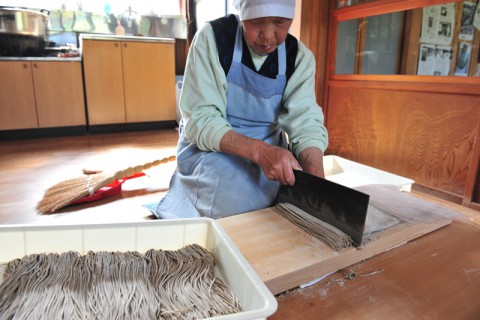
[436, 276]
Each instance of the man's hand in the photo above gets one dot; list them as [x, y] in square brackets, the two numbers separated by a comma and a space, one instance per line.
[277, 163]
[311, 160]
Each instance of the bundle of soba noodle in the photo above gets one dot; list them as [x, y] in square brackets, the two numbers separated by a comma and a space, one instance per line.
[178, 284]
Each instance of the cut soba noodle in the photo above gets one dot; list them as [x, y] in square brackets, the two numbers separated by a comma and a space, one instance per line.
[178, 284]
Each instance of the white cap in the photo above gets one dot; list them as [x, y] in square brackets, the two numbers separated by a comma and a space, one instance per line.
[252, 9]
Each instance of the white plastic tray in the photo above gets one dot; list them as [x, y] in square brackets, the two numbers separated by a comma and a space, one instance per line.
[352, 174]
[257, 301]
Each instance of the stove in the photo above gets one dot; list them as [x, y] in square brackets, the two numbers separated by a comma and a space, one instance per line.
[21, 45]
[16, 45]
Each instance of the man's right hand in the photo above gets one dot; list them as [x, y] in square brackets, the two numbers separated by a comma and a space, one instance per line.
[277, 163]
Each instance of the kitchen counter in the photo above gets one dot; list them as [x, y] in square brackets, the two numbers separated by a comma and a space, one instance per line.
[105, 37]
[112, 37]
[37, 59]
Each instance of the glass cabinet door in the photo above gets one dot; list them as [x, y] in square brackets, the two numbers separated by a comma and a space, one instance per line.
[440, 40]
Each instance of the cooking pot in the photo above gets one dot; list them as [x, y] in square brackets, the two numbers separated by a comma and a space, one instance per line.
[23, 31]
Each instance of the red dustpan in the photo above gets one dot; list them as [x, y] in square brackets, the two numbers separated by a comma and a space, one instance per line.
[109, 190]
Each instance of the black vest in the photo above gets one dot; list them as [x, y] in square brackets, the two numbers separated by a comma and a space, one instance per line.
[225, 29]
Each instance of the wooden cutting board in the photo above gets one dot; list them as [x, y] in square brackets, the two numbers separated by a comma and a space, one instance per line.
[285, 256]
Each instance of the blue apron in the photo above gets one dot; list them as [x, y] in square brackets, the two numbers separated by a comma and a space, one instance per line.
[216, 184]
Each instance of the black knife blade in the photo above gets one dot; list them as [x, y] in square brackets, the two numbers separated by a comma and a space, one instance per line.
[333, 203]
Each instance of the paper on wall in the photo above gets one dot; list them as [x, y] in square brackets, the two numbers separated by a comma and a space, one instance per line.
[434, 60]
[467, 29]
[463, 58]
[476, 18]
[438, 24]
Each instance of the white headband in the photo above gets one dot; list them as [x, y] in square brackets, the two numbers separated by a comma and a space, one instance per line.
[252, 9]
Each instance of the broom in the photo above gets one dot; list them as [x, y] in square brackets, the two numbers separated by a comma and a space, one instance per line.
[65, 192]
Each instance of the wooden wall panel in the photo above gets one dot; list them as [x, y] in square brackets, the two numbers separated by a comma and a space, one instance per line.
[419, 127]
[472, 196]
[428, 137]
[313, 33]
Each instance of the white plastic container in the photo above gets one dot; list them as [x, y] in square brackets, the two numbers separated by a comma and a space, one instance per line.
[257, 301]
[352, 174]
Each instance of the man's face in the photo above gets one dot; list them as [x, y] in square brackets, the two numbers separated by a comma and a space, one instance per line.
[264, 35]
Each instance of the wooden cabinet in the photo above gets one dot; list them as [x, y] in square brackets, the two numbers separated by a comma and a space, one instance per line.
[17, 98]
[102, 62]
[59, 93]
[129, 81]
[41, 94]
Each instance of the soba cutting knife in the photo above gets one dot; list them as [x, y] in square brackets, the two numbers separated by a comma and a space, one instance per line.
[333, 203]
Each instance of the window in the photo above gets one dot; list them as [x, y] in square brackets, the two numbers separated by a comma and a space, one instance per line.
[439, 40]
[68, 18]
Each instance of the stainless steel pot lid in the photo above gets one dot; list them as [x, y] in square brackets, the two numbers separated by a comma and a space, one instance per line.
[43, 12]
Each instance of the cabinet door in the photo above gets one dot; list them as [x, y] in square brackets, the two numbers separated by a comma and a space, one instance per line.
[149, 80]
[17, 100]
[102, 62]
[59, 93]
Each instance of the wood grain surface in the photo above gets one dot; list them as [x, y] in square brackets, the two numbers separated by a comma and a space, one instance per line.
[285, 257]
[416, 135]
[432, 277]
[420, 127]
[29, 167]
[436, 276]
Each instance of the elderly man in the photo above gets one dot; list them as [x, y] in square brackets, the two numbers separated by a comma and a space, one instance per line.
[248, 85]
